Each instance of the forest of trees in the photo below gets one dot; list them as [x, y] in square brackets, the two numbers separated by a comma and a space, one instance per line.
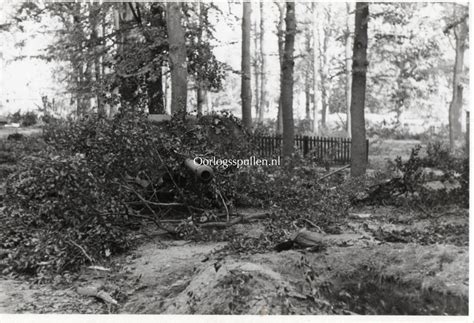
[234, 157]
[161, 58]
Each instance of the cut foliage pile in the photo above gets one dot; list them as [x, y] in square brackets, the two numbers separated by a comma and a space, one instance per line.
[77, 200]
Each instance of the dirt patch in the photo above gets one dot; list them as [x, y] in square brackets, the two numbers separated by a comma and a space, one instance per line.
[233, 287]
[358, 273]
[164, 270]
[381, 279]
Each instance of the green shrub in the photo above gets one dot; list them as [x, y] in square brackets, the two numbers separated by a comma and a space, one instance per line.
[29, 119]
[294, 188]
[130, 146]
[26, 119]
[58, 214]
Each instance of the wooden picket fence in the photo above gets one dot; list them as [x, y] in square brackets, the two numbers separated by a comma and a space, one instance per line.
[324, 149]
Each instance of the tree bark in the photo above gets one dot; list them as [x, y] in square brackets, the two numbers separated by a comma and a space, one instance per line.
[94, 11]
[348, 58]
[128, 85]
[177, 57]
[154, 80]
[201, 92]
[263, 66]
[307, 79]
[246, 88]
[455, 107]
[281, 44]
[287, 80]
[359, 71]
[155, 92]
[316, 82]
[323, 68]
[256, 70]
[201, 99]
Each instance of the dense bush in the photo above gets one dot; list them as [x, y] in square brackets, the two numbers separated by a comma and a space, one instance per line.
[75, 201]
[131, 147]
[26, 119]
[11, 151]
[294, 188]
[59, 215]
[29, 119]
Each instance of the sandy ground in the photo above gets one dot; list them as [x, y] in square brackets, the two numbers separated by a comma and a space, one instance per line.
[358, 273]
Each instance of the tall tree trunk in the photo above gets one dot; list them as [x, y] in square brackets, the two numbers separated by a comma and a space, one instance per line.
[201, 99]
[307, 79]
[359, 70]
[263, 66]
[94, 11]
[246, 89]
[287, 82]
[256, 70]
[154, 84]
[323, 70]
[127, 85]
[78, 67]
[201, 92]
[154, 80]
[316, 82]
[455, 107]
[177, 57]
[281, 44]
[347, 40]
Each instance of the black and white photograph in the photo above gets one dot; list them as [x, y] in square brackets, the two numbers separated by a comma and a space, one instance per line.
[263, 158]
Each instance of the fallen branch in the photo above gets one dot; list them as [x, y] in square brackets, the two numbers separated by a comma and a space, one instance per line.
[306, 238]
[313, 225]
[240, 219]
[157, 222]
[335, 171]
[82, 249]
[225, 205]
[99, 268]
[95, 292]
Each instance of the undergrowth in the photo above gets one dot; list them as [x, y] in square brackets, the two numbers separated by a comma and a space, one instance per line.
[77, 200]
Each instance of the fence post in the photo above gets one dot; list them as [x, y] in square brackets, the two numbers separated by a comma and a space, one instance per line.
[367, 150]
[305, 145]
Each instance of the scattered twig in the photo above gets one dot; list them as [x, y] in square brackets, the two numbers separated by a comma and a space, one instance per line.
[225, 206]
[335, 171]
[313, 225]
[82, 249]
[99, 268]
[240, 219]
[155, 220]
[172, 221]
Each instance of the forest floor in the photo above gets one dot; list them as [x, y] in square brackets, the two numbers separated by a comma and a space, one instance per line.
[386, 260]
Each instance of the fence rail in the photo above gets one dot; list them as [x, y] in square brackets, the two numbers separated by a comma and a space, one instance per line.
[324, 149]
